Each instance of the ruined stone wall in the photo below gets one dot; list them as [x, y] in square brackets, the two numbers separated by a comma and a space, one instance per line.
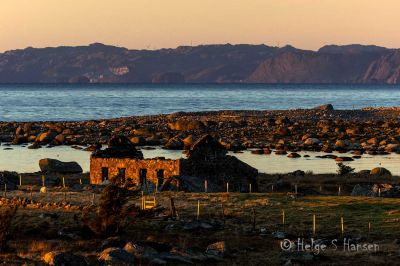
[132, 168]
[222, 170]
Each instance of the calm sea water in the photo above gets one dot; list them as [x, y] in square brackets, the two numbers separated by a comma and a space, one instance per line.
[23, 160]
[82, 102]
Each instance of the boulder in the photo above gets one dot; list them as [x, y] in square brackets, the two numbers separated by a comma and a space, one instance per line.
[294, 155]
[140, 251]
[185, 125]
[174, 144]
[55, 166]
[386, 190]
[57, 258]
[380, 171]
[311, 141]
[325, 107]
[362, 190]
[59, 138]
[218, 249]
[116, 255]
[46, 137]
[392, 148]
[139, 140]
[344, 159]
[189, 141]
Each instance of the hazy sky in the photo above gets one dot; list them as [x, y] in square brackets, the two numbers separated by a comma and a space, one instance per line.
[151, 24]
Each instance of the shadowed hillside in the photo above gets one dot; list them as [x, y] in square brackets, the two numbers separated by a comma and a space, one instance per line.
[99, 63]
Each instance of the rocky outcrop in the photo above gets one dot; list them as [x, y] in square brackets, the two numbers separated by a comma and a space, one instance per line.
[56, 258]
[386, 69]
[298, 66]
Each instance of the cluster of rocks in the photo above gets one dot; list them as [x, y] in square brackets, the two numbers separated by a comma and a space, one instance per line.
[116, 251]
[30, 204]
[376, 190]
[376, 131]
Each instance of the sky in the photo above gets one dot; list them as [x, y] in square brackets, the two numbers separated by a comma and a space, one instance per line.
[154, 24]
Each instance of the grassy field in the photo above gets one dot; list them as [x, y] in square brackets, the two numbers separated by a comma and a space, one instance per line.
[365, 220]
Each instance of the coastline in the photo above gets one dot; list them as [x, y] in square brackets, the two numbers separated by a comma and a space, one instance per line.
[371, 130]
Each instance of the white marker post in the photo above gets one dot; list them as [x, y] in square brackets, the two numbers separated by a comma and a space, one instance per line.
[42, 180]
[339, 191]
[227, 187]
[314, 225]
[63, 179]
[250, 188]
[198, 209]
[20, 180]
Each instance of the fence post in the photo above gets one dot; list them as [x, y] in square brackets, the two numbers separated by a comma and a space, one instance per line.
[342, 224]
[227, 187]
[250, 187]
[205, 186]
[314, 225]
[198, 209]
[20, 180]
[171, 208]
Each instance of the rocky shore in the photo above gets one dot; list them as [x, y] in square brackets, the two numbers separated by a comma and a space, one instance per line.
[369, 130]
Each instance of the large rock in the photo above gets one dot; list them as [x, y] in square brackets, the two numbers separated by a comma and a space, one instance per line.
[55, 166]
[325, 107]
[311, 141]
[384, 190]
[218, 249]
[380, 171]
[174, 144]
[116, 255]
[57, 258]
[184, 125]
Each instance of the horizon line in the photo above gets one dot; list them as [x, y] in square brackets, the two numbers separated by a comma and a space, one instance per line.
[194, 45]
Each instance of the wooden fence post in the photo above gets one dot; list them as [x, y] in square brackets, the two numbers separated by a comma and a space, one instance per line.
[314, 225]
[198, 209]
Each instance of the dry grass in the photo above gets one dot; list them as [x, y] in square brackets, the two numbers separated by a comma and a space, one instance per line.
[35, 234]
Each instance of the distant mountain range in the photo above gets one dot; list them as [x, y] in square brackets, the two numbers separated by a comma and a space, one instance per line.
[99, 63]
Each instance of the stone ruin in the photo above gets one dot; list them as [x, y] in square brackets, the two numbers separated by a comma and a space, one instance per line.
[207, 160]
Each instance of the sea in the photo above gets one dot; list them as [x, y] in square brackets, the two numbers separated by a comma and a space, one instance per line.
[64, 102]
